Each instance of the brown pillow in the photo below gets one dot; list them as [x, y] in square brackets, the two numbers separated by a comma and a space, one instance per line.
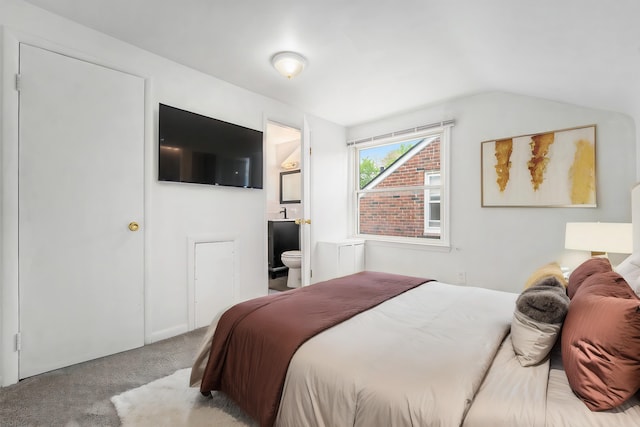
[584, 270]
[548, 270]
[601, 341]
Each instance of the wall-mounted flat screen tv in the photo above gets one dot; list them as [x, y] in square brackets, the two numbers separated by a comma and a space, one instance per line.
[199, 149]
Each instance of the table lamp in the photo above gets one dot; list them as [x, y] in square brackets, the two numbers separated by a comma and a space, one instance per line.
[599, 237]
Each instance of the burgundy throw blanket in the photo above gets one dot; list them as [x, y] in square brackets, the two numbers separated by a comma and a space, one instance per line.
[255, 340]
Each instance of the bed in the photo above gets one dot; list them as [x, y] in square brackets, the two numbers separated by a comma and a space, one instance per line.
[425, 353]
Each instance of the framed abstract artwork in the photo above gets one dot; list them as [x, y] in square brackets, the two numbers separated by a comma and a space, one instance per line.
[549, 169]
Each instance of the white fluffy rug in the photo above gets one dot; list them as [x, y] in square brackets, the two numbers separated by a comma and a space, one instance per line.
[170, 401]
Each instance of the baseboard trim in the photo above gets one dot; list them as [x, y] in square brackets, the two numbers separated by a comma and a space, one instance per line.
[168, 333]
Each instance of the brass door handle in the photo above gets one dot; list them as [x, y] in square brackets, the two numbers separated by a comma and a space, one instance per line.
[302, 221]
[134, 226]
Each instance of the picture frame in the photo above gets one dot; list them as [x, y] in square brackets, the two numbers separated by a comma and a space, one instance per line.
[548, 169]
[290, 186]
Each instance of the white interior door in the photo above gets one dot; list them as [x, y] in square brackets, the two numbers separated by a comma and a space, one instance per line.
[81, 138]
[305, 228]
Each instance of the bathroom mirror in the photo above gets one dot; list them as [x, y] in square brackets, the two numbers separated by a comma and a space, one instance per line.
[290, 184]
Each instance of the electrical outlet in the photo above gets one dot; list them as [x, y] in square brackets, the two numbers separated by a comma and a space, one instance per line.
[462, 277]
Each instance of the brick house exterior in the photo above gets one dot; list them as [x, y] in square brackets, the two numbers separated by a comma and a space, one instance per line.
[402, 213]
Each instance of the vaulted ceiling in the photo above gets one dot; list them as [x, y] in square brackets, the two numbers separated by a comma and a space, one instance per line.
[369, 59]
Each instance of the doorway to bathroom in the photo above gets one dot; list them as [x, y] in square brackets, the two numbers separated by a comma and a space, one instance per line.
[284, 182]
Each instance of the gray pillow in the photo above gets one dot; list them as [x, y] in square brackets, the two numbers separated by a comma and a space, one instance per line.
[540, 311]
[545, 301]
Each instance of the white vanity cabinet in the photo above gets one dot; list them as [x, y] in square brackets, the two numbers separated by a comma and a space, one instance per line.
[338, 258]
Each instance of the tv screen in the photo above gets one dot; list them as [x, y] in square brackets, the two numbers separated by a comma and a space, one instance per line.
[203, 150]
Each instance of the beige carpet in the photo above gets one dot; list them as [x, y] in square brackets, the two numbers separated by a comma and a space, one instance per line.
[170, 401]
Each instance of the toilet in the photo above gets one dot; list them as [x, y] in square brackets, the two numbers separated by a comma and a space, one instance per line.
[293, 260]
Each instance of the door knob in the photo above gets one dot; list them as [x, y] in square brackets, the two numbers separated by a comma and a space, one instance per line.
[134, 226]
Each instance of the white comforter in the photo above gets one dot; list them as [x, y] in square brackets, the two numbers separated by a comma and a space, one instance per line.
[415, 360]
[538, 396]
[511, 395]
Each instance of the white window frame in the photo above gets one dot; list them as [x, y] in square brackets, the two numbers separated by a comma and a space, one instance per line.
[427, 200]
[445, 136]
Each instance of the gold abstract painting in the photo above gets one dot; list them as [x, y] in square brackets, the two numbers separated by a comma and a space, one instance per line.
[555, 168]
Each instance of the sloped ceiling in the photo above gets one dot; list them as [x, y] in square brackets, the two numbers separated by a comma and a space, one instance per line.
[370, 59]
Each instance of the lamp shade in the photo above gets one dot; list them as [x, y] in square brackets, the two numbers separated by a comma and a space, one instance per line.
[613, 237]
[289, 64]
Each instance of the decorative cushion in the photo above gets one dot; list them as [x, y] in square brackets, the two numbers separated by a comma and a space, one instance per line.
[601, 341]
[584, 270]
[629, 269]
[537, 321]
[532, 341]
[552, 269]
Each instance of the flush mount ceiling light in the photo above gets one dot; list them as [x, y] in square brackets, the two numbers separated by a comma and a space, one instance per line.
[289, 64]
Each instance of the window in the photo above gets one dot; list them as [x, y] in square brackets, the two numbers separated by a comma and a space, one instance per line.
[432, 196]
[402, 190]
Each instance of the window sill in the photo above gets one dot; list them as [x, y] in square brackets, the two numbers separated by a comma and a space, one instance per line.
[417, 244]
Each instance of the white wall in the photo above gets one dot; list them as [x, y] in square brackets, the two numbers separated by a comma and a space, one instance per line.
[174, 212]
[499, 247]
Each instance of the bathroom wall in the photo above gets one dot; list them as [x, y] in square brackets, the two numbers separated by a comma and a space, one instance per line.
[277, 152]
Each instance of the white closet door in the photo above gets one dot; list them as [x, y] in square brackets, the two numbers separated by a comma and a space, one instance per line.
[80, 185]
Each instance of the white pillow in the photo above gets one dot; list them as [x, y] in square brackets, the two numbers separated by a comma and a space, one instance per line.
[629, 269]
[532, 341]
